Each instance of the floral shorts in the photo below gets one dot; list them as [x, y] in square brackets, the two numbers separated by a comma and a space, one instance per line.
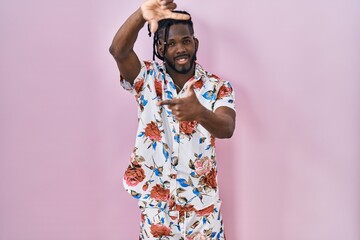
[181, 224]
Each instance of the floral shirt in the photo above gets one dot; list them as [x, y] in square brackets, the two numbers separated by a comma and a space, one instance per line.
[173, 163]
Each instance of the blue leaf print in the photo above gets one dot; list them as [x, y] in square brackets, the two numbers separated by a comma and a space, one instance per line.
[143, 100]
[230, 101]
[166, 154]
[151, 72]
[177, 138]
[162, 220]
[201, 140]
[137, 196]
[157, 172]
[169, 95]
[141, 134]
[182, 182]
[209, 95]
[213, 234]
[193, 174]
[204, 220]
[154, 145]
[172, 85]
[196, 191]
[147, 196]
[148, 220]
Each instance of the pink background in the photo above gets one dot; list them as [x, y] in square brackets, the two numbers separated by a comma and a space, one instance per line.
[290, 172]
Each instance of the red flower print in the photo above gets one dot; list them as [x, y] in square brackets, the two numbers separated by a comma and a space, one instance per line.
[199, 84]
[183, 209]
[206, 211]
[223, 92]
[210, 179]
[158, 230]
[203, 166]
[215, 76]
[197, 236]
[152, 131]
[159, 193]
[142, 218]
[187, 127]
[134, 174]
[158, 88]
[138, 85]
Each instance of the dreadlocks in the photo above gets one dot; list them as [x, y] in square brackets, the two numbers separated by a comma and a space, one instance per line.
[163, 28]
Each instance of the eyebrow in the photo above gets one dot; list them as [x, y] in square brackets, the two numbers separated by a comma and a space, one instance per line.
[186, 37]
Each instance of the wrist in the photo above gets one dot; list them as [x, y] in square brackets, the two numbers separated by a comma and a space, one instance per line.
[140, 15]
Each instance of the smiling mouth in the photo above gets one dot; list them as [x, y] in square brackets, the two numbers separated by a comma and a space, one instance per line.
[182, 59]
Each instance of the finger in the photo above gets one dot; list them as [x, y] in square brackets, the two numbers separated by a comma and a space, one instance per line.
[170, 6]
[191, 84]
[167, 102]
[153, 25]
[190, 87]
[178, 16]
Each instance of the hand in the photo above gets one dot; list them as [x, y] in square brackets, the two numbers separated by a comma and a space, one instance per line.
[155, 10]
[187, 108]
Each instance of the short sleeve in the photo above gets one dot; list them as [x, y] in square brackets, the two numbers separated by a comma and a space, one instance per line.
[139, 81]
[225, 96]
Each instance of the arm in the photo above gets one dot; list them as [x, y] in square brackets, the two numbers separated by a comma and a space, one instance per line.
[125, 38]
[122, 46]
[220, 123]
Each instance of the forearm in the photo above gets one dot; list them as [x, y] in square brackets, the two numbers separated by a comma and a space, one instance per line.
[220, 124]
[125, 38]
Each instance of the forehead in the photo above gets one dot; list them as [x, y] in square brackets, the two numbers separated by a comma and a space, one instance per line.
[179, 31]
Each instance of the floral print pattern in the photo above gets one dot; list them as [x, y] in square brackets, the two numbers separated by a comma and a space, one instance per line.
[173, 164]
[184, 223]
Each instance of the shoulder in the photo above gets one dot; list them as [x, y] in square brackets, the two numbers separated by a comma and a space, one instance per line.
[152, 65]
[201, 72]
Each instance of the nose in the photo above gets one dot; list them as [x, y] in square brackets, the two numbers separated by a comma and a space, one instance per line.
[180, 48]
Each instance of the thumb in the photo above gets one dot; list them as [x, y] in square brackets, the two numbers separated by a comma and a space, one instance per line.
[190, 87]
[153, 25]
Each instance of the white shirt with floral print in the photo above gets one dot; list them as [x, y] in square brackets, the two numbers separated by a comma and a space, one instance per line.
[173, 163]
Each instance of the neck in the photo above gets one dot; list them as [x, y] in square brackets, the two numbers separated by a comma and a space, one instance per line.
[180, 78]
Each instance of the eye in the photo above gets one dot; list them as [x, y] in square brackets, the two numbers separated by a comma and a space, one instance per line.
[186, 41]
[171, 44]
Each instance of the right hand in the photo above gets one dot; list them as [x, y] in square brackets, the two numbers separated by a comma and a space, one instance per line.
[155, 10]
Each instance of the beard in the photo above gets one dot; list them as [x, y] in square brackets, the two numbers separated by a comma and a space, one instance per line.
[180, 69]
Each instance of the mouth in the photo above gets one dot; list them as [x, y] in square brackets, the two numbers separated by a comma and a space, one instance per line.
[183, 59]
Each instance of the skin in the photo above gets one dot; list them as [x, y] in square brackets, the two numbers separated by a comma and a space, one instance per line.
[180, 53]
[179, 65]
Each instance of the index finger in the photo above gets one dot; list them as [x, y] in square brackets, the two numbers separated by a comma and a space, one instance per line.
[167, 102]
[178, 16]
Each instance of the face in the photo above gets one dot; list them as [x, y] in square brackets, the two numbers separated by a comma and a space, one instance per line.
[181, 49]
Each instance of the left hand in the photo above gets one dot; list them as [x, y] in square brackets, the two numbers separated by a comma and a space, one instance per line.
[187, 108]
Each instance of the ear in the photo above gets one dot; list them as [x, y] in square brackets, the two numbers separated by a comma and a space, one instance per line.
[196, 43]
[160, 47]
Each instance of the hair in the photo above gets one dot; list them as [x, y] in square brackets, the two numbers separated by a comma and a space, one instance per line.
[163, 28]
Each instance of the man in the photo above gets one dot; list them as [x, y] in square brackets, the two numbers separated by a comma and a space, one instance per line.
[182, 109]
